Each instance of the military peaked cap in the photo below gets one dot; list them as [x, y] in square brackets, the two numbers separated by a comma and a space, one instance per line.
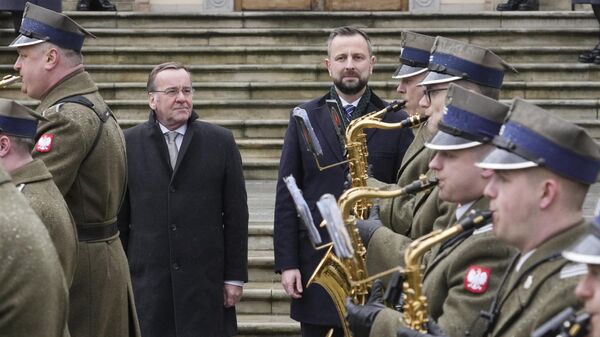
[470, 119]
[414, 56]
[586, 250]
[534, 137]
[18, 120]
[453, 60]
[41, 24]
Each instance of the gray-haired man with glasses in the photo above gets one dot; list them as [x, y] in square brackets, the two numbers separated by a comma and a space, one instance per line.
[184, 221]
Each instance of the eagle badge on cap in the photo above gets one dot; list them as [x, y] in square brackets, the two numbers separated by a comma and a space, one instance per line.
[477, 279]
[44, 144]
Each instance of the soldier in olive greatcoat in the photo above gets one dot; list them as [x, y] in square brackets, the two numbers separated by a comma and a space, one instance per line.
[83, 147]
[17, 132]
[33, 295]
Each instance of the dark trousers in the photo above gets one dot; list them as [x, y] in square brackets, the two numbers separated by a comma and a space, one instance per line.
[311, 330]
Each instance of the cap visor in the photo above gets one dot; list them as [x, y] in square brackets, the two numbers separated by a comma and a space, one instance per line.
[587, 250]
[405, 71]
[500, 159]
[435, 78]
[445, 141]
[22, 41]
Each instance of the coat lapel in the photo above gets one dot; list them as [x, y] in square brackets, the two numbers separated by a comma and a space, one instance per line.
[187, 138]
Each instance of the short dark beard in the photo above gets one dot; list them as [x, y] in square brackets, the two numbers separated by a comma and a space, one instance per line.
[352, 89]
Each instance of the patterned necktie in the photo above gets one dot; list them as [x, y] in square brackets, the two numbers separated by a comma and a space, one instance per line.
[172, 146]
[349, 110]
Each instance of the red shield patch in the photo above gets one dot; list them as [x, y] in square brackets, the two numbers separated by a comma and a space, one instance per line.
[477, 279]
[44, 144]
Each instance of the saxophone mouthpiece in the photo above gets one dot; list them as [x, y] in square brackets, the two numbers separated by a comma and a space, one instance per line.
[476, 219]
[395, 106]
[412, 121]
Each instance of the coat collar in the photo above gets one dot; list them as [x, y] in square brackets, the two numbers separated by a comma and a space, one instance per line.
[78, 82]
[31, 172]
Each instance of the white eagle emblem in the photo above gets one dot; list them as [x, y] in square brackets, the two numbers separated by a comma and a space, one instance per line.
[477, 279]
[44, 144]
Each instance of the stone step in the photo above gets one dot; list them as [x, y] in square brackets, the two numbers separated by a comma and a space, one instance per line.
[264, 298]
[287, 54]
[267, 325]
[295, 19]
[177, 37]
[585, 109]
[554, 72]
[311, 89]
[260, 266]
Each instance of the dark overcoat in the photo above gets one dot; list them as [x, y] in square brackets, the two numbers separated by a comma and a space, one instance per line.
[185, 231]
[18, 5]
[292, 246]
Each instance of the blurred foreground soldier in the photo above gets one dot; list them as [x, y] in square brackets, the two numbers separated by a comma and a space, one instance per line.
[18, 125]
[83, 147]
[184, 221]
[587, 251]
[350, 64]
[33, 295]
[461, 274]
[541, 172]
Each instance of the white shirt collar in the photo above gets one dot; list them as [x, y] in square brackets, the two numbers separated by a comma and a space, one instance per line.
[462, 209]
[522, 260]
[344, 103]
[181, 130]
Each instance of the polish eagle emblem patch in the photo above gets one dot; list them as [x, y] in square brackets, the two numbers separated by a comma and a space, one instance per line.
[477, 279]
[44, 144]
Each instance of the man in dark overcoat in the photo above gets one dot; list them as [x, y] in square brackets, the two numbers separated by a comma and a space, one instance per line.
[350, 64]
[184, 222]
[82, 145]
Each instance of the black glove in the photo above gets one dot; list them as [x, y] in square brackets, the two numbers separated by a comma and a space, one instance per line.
[361, 317]
[432, 327]
[367, 227]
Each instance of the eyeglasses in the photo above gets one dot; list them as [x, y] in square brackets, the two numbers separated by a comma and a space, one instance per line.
[174, 92]
[429, 91]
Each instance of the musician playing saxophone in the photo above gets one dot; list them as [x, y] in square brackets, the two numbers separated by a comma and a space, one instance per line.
[460, 274]
[587, 251]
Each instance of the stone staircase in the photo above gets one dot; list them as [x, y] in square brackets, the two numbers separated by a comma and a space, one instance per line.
[251, 68]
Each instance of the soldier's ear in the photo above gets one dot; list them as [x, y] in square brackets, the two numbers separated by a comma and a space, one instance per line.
[4, 145]
[51, 58]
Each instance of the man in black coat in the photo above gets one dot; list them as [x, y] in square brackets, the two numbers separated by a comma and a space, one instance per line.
[350, 64]
[184, 223]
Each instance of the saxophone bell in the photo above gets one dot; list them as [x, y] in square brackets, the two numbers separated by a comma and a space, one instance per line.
[8, 80]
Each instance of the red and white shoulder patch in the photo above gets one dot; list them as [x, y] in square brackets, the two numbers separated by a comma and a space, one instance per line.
[477, 279]
[44, 144]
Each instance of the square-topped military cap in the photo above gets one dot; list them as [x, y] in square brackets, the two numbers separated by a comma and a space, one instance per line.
[18, 120]
[453, 60]
[587, 249]
[44, 25]
[534, 137]
[414, 56]
[470, 119]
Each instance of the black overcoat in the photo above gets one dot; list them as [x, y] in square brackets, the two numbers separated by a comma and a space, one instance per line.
[292, 246]
[184, 232]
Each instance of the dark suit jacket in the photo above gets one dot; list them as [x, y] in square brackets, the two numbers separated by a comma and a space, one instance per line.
[184, 232]
[292, 246]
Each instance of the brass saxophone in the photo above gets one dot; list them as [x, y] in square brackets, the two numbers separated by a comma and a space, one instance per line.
[358, 153]
[415, 313]
[343, 277]
[8, 80]
[565, 324]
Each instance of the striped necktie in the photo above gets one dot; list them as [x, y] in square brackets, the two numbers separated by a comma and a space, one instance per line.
[349, 111]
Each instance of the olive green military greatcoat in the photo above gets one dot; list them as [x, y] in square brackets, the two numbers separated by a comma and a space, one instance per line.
[398, 213]
[386, 248]
[35, 182]
[461, 277]
[543, 286]
[92, 179]
[33, 291]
